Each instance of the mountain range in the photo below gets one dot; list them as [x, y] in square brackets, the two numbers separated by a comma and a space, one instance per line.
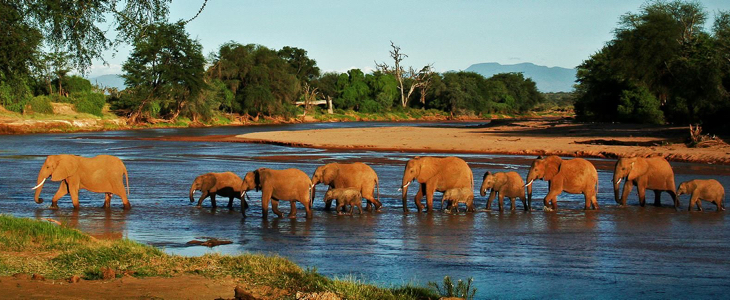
[547, 79]
[111, 80]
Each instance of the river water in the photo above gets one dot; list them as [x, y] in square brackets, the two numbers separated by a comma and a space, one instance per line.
[650, 252]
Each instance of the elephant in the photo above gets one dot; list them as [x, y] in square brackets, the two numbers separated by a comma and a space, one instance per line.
[652, 173]
[503, 184]
[226, 184]
[354, 175]
[279, 185]
[575, 176]
[345, 197]
[99, 174]
[435, 174]
[459, 195]
[708, 190]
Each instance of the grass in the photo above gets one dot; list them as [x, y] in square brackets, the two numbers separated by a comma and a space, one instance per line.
[38, 247]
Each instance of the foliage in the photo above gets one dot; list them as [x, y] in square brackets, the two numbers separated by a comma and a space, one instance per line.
[89, 102]
[164, 72]
[41, 104]
[463, 289]
[660, 56]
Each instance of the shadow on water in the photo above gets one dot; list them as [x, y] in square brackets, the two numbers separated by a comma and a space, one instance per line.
[647, 252]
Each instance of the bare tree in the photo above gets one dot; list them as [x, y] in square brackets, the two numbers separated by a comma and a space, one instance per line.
[425, 84]
[409, 80]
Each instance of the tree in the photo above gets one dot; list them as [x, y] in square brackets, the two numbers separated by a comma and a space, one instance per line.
[302, 66]
[407, 80]
[164, 71]
[662, 53]
[19, 46]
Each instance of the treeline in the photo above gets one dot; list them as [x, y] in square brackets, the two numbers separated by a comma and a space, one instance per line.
[168, 77]
[663, 65]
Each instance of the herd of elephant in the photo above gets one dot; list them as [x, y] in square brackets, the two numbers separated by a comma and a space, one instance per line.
[348, 183]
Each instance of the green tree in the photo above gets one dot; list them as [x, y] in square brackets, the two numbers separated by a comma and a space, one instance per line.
[164, 72]
[302, 66]
[19, 45]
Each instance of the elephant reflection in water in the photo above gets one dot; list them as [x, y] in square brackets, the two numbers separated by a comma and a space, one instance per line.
[101, 224]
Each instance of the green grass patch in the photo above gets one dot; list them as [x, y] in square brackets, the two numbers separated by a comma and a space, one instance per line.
[39, 247]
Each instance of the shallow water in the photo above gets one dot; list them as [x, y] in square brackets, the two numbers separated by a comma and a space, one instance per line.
[632, 252]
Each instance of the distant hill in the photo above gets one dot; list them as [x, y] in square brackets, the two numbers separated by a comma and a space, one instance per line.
[548, 80]
[111, 80]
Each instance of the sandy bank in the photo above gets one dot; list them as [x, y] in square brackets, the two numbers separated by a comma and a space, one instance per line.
[532, 137]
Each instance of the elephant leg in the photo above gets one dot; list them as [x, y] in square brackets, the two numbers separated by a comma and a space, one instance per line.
[594, 200]
[699, 203]
[62, 191]
[627, 189]
[73, 189]
[328, 204]
[512, 201]
[419, 195]
[307, 207]
[107, 200]
[118, 187]
[657, 198]
[429, 197]
[293, 212]
[524, 203]
[275, 208]
[212, 200]
[202, 197]
[642, 195]
[230, 202]
[500, 198]
[552, 198]
[359, 208]
[717, 204]
[339, 208]
[492, 194]
[673, 194]
[265, 198]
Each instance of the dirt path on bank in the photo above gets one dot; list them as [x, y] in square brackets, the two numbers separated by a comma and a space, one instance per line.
[179, 287]
[528, 137]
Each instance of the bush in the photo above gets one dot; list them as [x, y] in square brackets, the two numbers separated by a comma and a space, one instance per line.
[14, 94]
[640, 106]
[41, 104]
[89, 102]
[370, 106]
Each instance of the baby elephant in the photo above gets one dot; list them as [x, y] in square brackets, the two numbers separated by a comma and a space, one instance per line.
[459, 195]
[703, 189]
[226, 184]
[503, 184]
[344, 197]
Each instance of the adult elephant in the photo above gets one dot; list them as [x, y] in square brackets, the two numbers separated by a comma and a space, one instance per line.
[575, 176]
[357, 176]
[225, 184]
[652, 173]
[435, 174]
[279, 185]
[99, 174]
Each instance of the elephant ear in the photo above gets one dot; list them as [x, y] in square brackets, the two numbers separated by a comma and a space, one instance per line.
[552, 167]
[207, 182]
[330, 173]
[638, 167]
[485, 175]
[500, 180]
[67, 166]
[257, 178]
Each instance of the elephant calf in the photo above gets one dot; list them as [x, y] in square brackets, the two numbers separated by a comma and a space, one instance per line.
[503, 184]
[459, 195]
[226, 184]
[708, 190]
[344, 197]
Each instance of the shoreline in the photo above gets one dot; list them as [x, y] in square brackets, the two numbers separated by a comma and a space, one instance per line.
[517, 137]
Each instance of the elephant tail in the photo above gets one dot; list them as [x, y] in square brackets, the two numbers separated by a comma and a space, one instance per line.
[377, 185]
[126, 177]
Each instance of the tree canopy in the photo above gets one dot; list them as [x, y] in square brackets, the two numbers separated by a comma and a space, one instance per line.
[661, 66]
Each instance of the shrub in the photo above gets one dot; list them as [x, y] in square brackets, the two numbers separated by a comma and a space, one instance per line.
[41, 104]
[89, 102]
[370, 106]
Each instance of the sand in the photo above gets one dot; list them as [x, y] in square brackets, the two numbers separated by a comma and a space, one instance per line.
[525, 137]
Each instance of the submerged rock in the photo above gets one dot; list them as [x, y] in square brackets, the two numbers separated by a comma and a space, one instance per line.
[209, 242]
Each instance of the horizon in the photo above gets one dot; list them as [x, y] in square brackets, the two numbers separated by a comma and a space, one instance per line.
[452, 36]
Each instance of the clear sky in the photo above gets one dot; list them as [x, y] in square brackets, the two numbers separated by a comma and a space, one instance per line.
[343, 34]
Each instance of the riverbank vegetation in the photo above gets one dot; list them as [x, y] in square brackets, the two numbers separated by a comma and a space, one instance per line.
[55, 252]
[662, 66]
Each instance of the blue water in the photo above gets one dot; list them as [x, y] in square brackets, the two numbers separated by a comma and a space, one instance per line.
[632, 252]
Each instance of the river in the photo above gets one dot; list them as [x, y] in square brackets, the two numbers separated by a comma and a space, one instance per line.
[632, 252]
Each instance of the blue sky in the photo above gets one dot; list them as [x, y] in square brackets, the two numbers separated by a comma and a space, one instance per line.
[452, 35]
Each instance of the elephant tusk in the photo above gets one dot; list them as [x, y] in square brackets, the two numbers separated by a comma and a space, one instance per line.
[243, 194]
[529, 183]
[545, 208]
[39, 185]
[619, 181]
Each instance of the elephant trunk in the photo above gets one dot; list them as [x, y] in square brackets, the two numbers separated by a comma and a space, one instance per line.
[192, 191]
[38, 188]
[404, 188]
[483, 189]
[616, 187]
